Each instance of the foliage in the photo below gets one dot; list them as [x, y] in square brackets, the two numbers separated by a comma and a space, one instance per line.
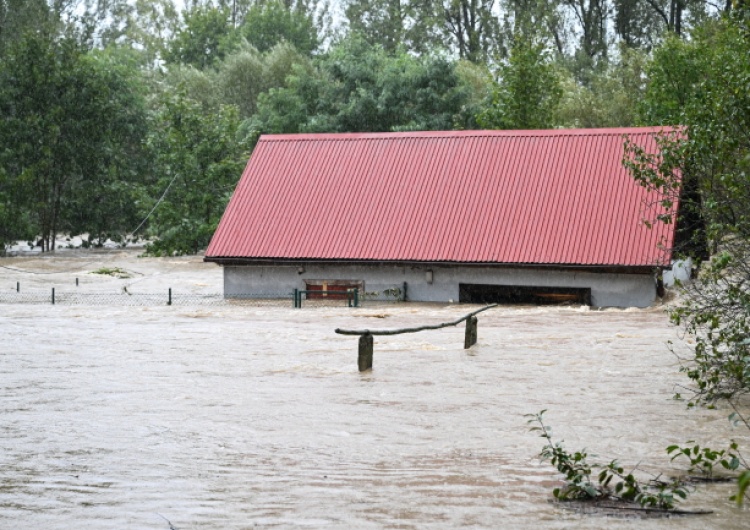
[472, 27]
[104, 203]
[360, 88]
[247, 73]
[704, 85]
[198, 158]
[704, 460]
[713, 161]
[612, 97]
[527, 93]
[270, 23]
[206, 37]
[396, 24]
[612, 482]
[116, 272]
[61, 153]
[675, 74]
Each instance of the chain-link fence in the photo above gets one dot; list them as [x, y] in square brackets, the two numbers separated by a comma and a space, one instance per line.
[78, 296]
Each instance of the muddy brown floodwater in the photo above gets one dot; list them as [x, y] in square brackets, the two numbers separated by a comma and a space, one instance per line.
[239, 417]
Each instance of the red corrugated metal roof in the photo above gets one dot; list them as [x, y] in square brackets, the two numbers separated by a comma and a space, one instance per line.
[527, 197]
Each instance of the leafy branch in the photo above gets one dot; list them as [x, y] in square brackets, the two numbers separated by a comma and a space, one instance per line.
[613, 482]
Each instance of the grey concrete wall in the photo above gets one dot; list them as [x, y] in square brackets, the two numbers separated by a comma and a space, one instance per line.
[607, 290]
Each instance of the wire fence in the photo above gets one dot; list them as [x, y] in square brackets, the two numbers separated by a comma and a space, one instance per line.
[170, 297]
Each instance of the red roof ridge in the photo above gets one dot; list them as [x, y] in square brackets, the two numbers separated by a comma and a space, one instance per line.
[604, 131]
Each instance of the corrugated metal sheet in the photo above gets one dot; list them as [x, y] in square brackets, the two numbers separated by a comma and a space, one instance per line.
[513, 197]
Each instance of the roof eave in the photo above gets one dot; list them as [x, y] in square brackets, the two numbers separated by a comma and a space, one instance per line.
[257, 261]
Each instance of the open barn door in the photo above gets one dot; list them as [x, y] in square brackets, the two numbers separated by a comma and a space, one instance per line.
[473, 293]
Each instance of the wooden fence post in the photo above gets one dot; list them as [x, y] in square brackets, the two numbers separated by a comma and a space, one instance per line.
[366, 335]
[470, 338]
[364, 361]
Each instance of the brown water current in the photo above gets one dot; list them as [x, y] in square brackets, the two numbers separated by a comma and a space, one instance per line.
[240, 417]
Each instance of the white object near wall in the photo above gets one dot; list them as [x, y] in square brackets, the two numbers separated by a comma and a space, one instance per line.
[681, 271]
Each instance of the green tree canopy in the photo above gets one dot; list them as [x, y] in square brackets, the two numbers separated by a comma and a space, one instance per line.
[527, 93]
[206, 37]
[198, 159]
[360, 88]
[71, 123]
[270, 22]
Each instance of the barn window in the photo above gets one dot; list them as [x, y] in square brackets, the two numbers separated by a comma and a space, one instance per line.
[332, 289]
[472, 293]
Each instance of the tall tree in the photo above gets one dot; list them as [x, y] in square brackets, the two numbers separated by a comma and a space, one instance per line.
[144, 25]
[611, 99]
[271, 22]
[360, 88]
[19, 16]
[528, 90]
[66, 121]
[247, 73]
[707, 167]
[637, 23]
[592, 50]
[198, 157]
[472, 27]
[393, 24]
[206, 37]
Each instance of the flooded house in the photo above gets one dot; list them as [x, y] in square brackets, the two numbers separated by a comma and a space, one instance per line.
[462, 216]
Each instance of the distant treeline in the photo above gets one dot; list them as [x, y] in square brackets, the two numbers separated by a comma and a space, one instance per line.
[117, 115]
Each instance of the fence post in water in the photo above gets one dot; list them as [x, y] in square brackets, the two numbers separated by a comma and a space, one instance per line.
[470, 338]
[296, 294]
[53, 296]
[356, 304]
[364, 361]
[18, 287]
[76, 282]
[403, 299]
[169, 302]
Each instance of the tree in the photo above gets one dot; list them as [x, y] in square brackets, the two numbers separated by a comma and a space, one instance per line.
[396, 24]
[19, 16]
[146, 26]
[675, 75]
[527, 93]
[637, 23]
[360, 88]
[67, 121]
[244, 75]
[198, 159]
[712, 160]
[612, 98]
[591, 17]
[543, 21]
[472, 27]
[104, 202]
[271, 22]
[206, 37]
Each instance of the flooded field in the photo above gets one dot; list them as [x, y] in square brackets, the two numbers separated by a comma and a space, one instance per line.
[240, 417]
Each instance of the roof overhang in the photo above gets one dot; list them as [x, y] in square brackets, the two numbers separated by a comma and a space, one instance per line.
[571, 267]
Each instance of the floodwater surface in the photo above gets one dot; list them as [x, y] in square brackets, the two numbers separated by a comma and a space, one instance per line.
[240, 417]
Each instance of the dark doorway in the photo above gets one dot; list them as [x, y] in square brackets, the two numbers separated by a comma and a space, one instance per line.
[472, 293]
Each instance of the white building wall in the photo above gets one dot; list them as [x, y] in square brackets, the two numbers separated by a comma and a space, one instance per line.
[607, 289]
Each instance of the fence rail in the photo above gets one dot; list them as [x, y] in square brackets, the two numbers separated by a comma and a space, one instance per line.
[364, 360]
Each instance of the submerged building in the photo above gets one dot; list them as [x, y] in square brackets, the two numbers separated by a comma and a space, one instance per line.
[464, 216]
